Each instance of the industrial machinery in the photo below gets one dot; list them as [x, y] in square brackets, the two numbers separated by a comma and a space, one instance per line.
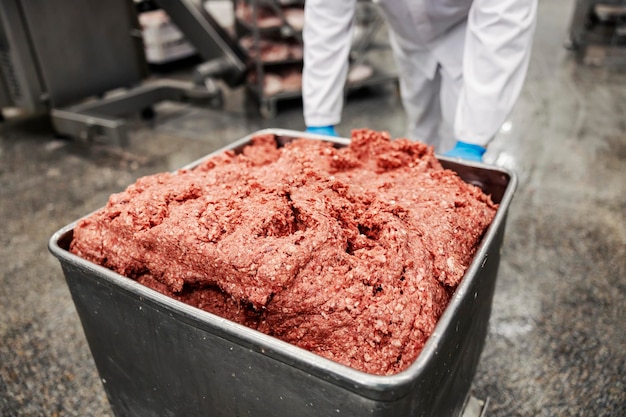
[84, 63]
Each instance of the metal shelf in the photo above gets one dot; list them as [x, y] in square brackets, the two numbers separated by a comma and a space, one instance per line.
[260, 69]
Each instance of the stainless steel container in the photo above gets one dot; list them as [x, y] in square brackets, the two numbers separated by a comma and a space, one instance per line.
[160, 357]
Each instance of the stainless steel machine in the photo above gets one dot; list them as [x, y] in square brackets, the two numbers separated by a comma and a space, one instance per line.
[84, 62]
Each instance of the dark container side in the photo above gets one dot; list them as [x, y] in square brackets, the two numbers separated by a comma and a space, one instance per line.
[160, 357]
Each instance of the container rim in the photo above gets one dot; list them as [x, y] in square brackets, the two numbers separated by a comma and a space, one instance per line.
[385, 387]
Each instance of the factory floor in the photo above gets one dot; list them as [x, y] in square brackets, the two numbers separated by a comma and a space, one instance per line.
[556, 344]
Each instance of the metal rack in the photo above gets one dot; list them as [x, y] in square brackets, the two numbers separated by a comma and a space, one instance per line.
[257, 35]
[597, 32]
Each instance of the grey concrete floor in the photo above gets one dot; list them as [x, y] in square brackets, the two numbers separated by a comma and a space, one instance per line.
[557, 336]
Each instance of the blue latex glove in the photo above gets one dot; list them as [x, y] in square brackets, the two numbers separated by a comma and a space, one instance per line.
[467, 151]
[322, 130]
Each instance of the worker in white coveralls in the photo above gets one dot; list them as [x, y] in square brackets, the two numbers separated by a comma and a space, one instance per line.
[461, 66]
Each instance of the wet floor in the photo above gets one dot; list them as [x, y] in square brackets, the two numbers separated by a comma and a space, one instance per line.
[557, 336]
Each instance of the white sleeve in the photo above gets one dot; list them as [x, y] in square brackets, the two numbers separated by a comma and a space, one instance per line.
[496, 56]
[327, 37]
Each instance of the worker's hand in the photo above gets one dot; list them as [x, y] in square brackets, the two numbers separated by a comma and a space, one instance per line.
[467, 151]
[322, 130]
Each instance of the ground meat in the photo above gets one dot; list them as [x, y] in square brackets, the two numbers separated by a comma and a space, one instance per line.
[352, 253]
[272, 50]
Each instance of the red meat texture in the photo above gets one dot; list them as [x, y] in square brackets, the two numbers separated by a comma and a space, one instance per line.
[349, 252]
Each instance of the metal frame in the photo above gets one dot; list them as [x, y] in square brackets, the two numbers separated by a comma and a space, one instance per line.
[102, 120]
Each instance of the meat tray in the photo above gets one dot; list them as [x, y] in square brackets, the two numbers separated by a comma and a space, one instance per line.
[158, 356]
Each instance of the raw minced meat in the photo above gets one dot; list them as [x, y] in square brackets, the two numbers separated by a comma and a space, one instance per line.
[351, 252]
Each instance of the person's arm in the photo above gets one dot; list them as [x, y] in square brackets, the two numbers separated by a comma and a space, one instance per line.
[496, 57]
[327, 37]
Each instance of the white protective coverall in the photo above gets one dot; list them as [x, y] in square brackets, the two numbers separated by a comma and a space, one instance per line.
[461, 63]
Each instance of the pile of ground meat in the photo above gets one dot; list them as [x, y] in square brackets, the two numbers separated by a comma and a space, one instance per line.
[352, 253]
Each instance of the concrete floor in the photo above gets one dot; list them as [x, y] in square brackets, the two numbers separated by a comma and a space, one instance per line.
[557, 337]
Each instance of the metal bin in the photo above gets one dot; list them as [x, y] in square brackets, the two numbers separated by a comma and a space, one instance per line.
[160, 357]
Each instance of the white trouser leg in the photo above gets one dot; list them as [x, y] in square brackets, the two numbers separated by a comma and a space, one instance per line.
[449, 53]
[449, 96]
[419, 93]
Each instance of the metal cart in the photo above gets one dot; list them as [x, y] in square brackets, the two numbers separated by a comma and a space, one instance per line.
[252, 24]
